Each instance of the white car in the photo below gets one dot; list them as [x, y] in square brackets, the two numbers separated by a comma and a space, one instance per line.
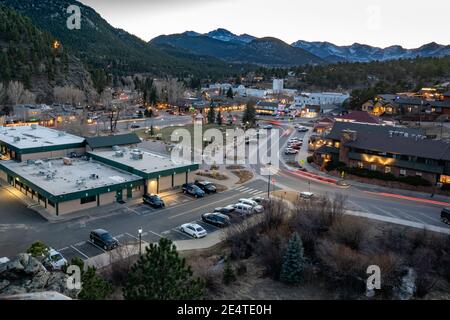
[290, 151]
[306, 195]
[54, 260]
[256, 207]
[194, 230]
[243, 209]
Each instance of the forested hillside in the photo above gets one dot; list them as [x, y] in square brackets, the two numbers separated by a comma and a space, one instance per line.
[32, 57]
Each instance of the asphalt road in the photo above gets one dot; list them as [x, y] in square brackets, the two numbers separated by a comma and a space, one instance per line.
[71, 237]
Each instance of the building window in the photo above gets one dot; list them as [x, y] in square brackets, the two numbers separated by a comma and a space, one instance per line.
[418, 174]
[373, 167]
[403, 172]
[88, 199]
[387, 169]
[360, 165]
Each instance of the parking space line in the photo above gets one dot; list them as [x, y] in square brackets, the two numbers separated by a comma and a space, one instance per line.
[130, 235]
[98, 247]
[62, 249]
[79, 252]
[156, 234]
[182, 233]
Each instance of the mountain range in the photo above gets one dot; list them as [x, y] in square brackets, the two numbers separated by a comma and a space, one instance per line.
[232, 47]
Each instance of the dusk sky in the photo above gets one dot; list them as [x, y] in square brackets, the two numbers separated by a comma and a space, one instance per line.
[410, 23]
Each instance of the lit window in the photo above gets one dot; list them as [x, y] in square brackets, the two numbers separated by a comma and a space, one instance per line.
[360, 165]
[418, 174]
[373, 167]
[387, 169]
[403, 172]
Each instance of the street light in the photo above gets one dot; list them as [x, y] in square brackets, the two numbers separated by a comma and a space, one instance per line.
[140, 241]
[268, 182]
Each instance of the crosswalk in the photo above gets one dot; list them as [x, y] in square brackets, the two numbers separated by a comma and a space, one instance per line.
[251, 191]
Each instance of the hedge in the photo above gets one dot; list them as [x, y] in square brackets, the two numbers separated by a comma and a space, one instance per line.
[364, 173]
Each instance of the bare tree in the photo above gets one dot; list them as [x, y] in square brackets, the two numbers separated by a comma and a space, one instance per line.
[69, 94]
[170, 90]
[17, 94]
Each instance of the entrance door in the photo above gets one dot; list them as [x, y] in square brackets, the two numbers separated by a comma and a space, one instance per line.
[129, 193]
[119, 196]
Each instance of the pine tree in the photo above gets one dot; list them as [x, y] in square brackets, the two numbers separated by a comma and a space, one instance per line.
[219, 118]
[230, 93]
[211, 115]
[293, 261]
[161, 274]
[249, 117]
[228, 274]
[93, 286]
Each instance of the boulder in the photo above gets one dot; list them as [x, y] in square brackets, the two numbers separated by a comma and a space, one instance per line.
[23, 258]
[3, 284]
[12, 290]
[33, 266]
[38, 283]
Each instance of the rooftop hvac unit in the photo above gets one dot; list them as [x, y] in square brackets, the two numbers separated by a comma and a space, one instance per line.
[42, 173]
[94, 176]
[119, 154]
[137, 156]
[34, 126]
[80, 182]
[61, 134]
[116, 148]
[16, 139]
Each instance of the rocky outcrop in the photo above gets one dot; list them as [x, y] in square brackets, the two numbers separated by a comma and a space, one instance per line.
[25, 274]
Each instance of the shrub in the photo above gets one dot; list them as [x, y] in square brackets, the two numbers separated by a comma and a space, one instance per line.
[242, 238]
[365, 173]
[38, 249]
[423, 262]
[269, 250]
[241, 269]
[94, 287]
[310, 159]
[445, 187]
[228, 274]
[391, 266]
[350, 232]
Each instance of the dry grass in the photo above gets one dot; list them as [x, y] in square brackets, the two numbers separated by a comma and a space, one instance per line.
[216, 175]
[290, 196]
[243, 175]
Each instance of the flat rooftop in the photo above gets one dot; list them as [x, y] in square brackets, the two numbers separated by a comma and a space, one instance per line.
[148, 163]
[57, 178]
[26, 137]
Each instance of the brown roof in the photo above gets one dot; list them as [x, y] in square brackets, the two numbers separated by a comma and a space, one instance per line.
[360, 116]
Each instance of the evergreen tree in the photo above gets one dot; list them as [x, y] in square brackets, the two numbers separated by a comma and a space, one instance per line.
[293, 261]
[249, 115]
[211, 115]
[93, 286]
[219, 118]
[161, 274]
[228, 274]
[230, 93]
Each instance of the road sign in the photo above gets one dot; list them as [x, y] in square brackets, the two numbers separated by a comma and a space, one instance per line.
[302, 162]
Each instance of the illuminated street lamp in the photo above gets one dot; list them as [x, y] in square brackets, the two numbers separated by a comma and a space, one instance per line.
[140, 241]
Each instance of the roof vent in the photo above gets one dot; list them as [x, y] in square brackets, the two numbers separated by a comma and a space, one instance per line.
[137, 155]
[119, 154]
[116, 148]
[80, 182]
[61, 134]
[33, 126]
[16, 139]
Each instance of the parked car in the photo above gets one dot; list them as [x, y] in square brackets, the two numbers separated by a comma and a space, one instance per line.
[216, 219]
[193, 190]
[206, 186]
[154, 200]
[54, 260]
[103, 239]
[296, 146]
[194, 230]
[135, 126]
[257, 207]
[243, 209]
[306, 195]
[259, 200]
[302, 129]
[228, 210]
[445, 215]
[290, 151]
[268, 127]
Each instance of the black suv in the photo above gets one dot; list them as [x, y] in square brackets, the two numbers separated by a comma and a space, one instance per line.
[103, 239]
[445, 215]
[206, 186]
[193, 190]
[216, 219]
[228, 210]
[154, 200]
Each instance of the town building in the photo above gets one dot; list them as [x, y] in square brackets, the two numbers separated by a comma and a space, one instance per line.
[392, 150]
[359, 117]
[64, 173]
[30, 112]
[320, 99]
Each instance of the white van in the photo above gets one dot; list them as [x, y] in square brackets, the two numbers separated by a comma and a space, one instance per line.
[243, 209]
